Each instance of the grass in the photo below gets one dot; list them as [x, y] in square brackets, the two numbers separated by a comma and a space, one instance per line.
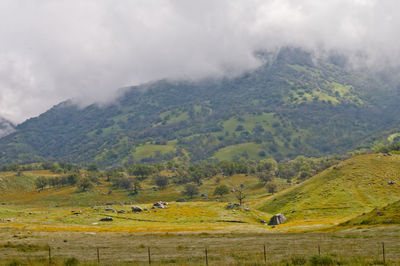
[149, 150]
[389, 214]
[342, 192]
[236, 151]
[250, 121]
[68, 221]
[350, 247]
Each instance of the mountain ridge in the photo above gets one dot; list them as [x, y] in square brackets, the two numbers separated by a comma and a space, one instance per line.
[287, 107]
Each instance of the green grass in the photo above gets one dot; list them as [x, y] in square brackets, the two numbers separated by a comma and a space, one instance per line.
[149, 150]
[389, 214]
[249, 122]
[237, 151]
[341, 192]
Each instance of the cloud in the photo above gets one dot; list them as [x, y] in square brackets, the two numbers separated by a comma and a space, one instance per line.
[87, 49]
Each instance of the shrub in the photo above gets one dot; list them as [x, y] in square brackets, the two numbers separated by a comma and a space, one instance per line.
[71, 262]
[322, 260]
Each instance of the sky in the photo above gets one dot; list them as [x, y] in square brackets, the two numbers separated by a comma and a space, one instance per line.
[53, 50]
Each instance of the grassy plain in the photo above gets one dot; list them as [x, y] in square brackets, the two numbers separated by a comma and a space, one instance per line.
[357, 246]
[334, 209]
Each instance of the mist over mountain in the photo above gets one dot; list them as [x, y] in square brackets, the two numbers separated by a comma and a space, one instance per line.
[51, 51]
[6, 127]
[291, 105]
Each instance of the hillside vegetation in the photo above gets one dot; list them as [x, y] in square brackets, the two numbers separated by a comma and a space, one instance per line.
[390, 214]
[288, 106]
[341, 192]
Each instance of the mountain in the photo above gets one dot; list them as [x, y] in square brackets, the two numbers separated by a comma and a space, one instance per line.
[291, 105]
[6, 127]
[342, 192]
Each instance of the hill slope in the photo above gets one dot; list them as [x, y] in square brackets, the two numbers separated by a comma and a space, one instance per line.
[389, 214]
[342, 192]
[286, 107]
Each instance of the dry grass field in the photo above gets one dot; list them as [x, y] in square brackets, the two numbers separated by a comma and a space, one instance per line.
[356, 246]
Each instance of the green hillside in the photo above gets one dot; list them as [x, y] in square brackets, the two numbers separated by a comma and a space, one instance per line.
[389, 214]
[341, 192]
[288, 106]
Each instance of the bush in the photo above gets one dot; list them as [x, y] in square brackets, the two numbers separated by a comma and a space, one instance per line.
[71, 262]
[322, 260]
[298, 260]
[14, 262]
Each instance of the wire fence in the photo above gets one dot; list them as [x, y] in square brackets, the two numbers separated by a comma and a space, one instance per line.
[218, 254]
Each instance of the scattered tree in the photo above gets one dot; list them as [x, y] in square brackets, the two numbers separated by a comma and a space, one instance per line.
[85, 184]
[161, 181]
[271, 187]
[240, 193]
[221, 190]
[41, 182]
[191, 190]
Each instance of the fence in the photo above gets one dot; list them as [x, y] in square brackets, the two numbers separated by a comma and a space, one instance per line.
[217, 254]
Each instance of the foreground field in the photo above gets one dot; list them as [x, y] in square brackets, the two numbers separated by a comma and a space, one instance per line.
[361, 246]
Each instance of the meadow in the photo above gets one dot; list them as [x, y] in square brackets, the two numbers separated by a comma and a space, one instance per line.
[340, 216]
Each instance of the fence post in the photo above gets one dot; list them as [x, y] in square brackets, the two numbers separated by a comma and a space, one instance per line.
[98, 255]
[383, 253]
[319, 250]
[148, 252]
[206, 256]
[49, 255]
[265, 255]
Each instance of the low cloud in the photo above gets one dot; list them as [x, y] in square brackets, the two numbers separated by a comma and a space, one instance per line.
[54, 50]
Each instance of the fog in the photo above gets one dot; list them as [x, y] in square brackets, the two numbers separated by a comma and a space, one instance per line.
[87, 49]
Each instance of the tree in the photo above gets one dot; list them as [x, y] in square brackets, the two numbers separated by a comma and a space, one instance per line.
[136, 186]
[240, 193]
[271, 187]
[123, 182]
[41, 182]
[93, 168]
[85, 184]
[264, 176]
[190, 190]
[141, 170]
[72, 179]
[161, 181]
[221, 190]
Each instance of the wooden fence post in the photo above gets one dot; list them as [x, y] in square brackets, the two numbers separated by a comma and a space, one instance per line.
[265, 255]
[319, 250]
[98, 255]
[206, 256]
[383, 253]
[49, 255]
[148, 252]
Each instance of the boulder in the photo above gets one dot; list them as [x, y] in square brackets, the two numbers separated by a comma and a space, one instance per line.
[106, 219]
[121, 211]
[160, 204]
[232, 206]
[391, 183]
[181, 200]
[136, 209]
[109, 209]
[277, 219]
